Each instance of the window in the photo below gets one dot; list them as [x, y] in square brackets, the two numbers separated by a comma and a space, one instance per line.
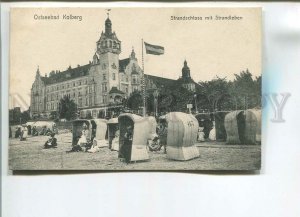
[104, 77]
[73, 84]
[91, 102]
[104, 87]
[114, 76]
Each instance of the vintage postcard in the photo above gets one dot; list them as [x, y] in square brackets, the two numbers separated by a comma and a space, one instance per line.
[135, 89]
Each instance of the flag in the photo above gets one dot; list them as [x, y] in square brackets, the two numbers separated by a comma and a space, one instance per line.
[154, 49]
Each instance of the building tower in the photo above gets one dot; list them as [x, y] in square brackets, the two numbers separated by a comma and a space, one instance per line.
[187, 81]
[108, 50]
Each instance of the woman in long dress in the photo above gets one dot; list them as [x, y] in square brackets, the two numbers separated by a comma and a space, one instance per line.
[115, 141]
[212, 133]
[201, 135]
[24, 133]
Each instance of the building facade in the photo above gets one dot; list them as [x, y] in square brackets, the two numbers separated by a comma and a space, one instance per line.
[102, 83]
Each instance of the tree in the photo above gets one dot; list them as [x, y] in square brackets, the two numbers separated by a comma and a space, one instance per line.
[135, 100]
[25, 116]
[246, 90]
[214, 94]
[67, 108]
[53, 115]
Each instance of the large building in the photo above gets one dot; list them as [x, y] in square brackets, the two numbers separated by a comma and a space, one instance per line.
[103, 83]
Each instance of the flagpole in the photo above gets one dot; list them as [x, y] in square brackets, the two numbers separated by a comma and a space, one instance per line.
[143, 81]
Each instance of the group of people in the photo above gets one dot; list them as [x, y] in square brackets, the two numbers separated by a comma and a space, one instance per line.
[82, 143]
[21, 132]
[206, 132]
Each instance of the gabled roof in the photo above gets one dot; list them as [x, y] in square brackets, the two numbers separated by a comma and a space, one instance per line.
[123, 63]
[69, 74]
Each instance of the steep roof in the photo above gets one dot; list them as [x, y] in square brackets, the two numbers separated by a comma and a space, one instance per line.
[123, 63]
[160, 81]
[69, 74]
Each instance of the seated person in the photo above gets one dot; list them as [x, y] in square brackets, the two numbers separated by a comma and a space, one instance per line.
[43, 131]
[34, 131]
[48, 132]
[154, 143]
[51, 142]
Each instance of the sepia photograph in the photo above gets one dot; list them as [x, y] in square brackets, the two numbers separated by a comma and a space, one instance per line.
[129, 89]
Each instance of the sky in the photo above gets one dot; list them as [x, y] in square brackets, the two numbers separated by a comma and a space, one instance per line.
[211, 47]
